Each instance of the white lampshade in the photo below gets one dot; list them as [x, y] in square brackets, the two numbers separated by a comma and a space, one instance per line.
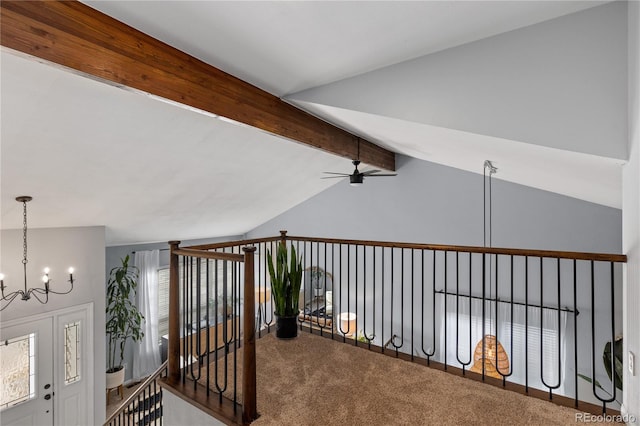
[348, 323]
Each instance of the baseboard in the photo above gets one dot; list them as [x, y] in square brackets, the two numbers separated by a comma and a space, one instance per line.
[627, 418]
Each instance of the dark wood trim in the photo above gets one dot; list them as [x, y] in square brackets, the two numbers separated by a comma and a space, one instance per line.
[535, 393]
[599, 257]
[74, 35]
[249, 384]
[233, 243]
[217, 255]
[173, 351]
[220, 408]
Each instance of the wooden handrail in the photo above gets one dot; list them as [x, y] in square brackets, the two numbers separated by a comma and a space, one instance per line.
[599, 257]
[217, 255]
[604, 257]
[233, 243]
[140, 390]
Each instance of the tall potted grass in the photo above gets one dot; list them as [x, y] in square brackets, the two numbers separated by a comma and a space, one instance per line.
[124, 321]
[286, 280]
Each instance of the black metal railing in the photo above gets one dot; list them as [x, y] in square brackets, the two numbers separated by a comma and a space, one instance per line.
[144, 406]
[208, 337]
[529, 320]
[547, 314]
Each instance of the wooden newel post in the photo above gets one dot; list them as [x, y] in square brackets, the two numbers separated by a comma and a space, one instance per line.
[249, 406]
[283, 238]
[173, 352]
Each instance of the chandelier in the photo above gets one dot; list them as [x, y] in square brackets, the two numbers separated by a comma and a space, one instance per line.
[40, 294]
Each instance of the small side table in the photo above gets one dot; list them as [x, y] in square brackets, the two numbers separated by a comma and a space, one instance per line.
[120, 391]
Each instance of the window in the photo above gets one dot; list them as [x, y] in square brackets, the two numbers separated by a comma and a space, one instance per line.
[530, 360]
[71, 352]
[225, 274]
[17, 363]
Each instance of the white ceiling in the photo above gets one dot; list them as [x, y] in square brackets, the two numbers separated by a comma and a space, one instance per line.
[94, 154]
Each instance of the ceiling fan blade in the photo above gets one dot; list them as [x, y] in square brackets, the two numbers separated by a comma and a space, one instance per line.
[336, 173]
[382, 175]
[334, 177]
[368, 172]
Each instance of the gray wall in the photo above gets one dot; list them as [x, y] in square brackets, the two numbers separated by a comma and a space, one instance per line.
[631, 215]
[113, 259]
[60, 248]
[429, 203]
[561, 83]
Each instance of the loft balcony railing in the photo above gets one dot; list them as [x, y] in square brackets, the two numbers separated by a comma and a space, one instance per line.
[527, 320]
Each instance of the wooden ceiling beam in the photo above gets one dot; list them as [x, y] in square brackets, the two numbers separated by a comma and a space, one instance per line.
[74, 35]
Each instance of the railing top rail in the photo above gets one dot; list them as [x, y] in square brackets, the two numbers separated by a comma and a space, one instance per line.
[233, 257]
[604, 257]
[125, 404]
[233, 243]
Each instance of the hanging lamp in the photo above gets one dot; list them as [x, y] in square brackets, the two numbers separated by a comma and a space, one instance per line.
[41, 294]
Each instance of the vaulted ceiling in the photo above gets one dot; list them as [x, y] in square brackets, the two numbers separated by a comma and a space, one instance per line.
[93, 153]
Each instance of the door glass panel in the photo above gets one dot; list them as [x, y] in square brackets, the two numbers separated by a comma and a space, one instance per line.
[71, 352]
[17, 365]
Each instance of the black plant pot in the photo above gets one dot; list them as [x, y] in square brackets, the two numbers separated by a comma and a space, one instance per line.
[286, 327]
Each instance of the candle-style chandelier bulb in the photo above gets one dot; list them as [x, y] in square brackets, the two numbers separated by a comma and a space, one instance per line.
[40, 294]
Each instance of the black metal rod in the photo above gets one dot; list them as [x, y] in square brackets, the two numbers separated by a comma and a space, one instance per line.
[484, 285]
[464, 363]
[575, 332]
[565, 309]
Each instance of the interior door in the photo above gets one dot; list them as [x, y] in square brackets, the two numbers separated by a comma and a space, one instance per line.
[26, 374]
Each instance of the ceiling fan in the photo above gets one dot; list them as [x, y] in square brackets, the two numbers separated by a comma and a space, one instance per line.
[357, 177]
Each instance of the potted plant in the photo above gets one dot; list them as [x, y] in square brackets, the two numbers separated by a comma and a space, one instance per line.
[124, 320]
[318, 278]
[286, 280]
[609, 354]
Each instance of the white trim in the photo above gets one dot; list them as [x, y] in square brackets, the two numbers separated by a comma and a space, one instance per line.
[88, 337]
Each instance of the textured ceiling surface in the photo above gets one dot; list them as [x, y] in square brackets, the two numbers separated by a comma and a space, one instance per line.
[93, 154]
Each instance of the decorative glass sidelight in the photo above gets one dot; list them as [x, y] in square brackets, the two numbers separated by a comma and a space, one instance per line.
[71, 352]
[17, 364]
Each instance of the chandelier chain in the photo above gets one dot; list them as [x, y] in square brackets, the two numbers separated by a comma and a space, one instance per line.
[24, 232]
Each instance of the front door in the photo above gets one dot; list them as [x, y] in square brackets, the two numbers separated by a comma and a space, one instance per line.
[26, 374]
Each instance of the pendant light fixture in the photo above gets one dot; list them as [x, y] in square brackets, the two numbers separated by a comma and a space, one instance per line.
[41, 294]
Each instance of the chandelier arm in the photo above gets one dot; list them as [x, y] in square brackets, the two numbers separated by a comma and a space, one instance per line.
[36, 291]
[10, 299]
[62, 292]
[11, 295]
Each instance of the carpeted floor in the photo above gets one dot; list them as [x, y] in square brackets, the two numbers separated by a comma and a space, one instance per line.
[316, 381]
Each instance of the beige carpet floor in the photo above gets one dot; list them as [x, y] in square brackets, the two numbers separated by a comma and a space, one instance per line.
[312, 380]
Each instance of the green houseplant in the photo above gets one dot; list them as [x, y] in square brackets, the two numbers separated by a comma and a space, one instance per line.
[609, 354]
[286, 280]
[124, 321]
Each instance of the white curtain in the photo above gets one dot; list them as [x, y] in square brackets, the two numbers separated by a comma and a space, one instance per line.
[146, 356]
[526, 340]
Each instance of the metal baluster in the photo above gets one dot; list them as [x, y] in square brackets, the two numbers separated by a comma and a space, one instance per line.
[551, 387]
[444, 315]
[484, 285]
[208, 325]
[526, 324]
[412, 285]
[333, 288]
[575, 331]
[464, 364]
[504, 375]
